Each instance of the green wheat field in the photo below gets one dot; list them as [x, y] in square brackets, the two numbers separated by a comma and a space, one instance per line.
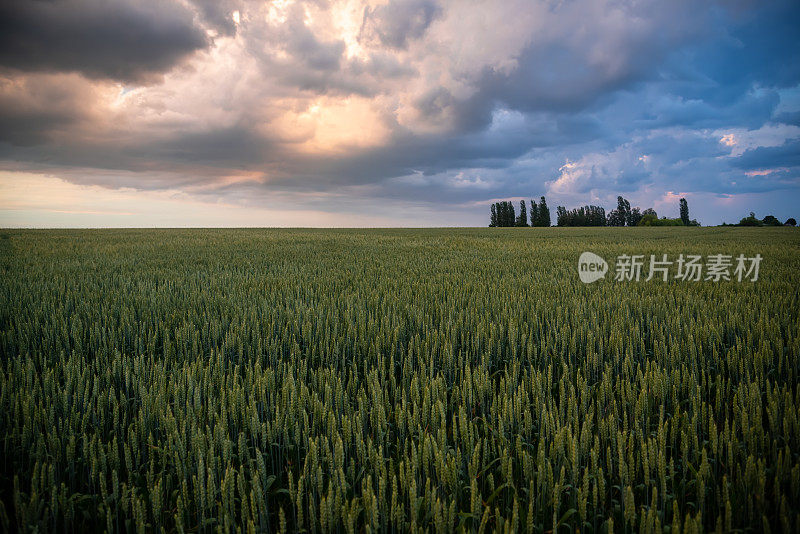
[395, 381]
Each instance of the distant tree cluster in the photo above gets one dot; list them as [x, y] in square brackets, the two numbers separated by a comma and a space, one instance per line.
[504, 215]
[584, 216]
[663, 221]
[623, 215]
[769, 220]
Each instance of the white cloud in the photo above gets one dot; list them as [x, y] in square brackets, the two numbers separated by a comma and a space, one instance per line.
[742, 139]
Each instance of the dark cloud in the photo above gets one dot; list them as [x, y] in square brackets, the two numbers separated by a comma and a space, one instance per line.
[678, 146]
[35, 108]
[301, 61]
[196, 156]
[788, 117]
[218, 14]
[764, 157]
[552, 77]
[406, 155]
[751, 110]
[760, 48]
[398, 22]
[230, 147]
[123, 40]
[381, 65]
[304, 46]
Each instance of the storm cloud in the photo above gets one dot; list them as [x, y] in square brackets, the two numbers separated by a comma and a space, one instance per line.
[121, 40]
[417, 103]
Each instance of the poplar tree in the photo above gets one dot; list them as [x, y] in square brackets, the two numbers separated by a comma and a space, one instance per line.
[684, 208]
[544, 213]
[522, 218]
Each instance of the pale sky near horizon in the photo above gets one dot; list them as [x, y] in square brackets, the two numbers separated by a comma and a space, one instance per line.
[356, 113]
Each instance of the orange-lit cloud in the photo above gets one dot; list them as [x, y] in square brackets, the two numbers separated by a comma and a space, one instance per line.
[765, 172]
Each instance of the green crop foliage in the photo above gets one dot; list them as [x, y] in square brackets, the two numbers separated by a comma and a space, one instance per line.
[395, 381]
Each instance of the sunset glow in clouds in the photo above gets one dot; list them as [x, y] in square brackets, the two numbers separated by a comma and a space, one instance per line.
[413, 113]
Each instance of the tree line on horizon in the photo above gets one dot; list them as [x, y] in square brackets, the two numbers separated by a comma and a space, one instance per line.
[503, 214]
[769, 220]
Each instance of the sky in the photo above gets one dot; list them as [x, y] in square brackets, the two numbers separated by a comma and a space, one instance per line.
[355, 113]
